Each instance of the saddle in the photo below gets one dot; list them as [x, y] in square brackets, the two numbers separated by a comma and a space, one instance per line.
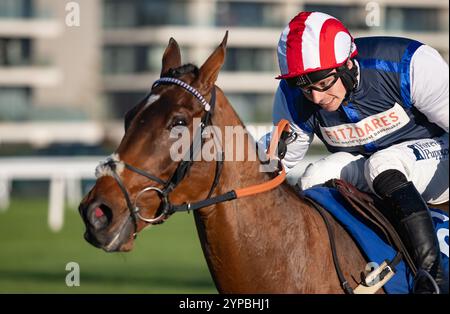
[374, 213]
[371, 212]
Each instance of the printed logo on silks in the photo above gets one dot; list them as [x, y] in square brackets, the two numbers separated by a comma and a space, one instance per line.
[367, 130]
[441, 224]
[431, 149]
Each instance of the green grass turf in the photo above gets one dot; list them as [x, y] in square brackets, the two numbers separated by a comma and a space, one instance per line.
[166, 258]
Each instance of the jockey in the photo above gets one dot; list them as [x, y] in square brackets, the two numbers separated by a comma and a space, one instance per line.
[380, 105]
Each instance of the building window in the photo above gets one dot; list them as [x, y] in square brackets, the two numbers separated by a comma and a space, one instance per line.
[153, 57]
[251, 60]
[136, 13]
[425, 19]
[352, 16]
[14, 103]
[252, 107]
[117, 14]
[16, 8]
[132, 59]
[249, 14]
[120, 102]
[124, 59]
[118, 60]
[163, 12]
[15, 52]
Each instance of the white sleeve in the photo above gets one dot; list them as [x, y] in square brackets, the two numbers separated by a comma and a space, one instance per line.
[429, 85]
[298, 148]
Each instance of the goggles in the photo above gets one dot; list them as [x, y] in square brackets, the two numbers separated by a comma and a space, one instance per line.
[317, 81]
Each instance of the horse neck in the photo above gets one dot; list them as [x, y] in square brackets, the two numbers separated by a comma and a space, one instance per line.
[247, 172]
[234, 233]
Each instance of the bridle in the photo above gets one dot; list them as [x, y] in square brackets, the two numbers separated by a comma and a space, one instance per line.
[167, 208]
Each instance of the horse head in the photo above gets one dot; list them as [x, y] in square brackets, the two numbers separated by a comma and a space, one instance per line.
[134, 185]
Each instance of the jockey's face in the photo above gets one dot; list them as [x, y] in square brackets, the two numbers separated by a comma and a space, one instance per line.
[331, 98]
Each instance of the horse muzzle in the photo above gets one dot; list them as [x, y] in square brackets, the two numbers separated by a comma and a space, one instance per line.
[102, 232]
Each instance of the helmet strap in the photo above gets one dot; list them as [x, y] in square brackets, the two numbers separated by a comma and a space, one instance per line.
[349, 77]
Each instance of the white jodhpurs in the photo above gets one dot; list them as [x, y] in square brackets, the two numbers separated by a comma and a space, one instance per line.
[424, 162]
[340, 165]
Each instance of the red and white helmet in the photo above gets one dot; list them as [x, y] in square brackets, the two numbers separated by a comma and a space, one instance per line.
[313, 41]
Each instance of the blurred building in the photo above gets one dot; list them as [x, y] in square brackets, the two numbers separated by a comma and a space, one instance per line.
[136, 32]
[48, 71]
[98, 70]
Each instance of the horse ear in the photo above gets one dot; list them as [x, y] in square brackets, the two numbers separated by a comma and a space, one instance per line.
[209, 71]
[171, 58]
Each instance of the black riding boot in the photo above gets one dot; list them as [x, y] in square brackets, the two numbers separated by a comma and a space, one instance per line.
[414, 224]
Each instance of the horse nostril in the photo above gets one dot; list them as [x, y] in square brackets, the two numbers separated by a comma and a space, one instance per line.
[100, 216]
[99, 212]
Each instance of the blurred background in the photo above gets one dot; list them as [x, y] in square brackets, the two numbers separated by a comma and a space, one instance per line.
[69, 70]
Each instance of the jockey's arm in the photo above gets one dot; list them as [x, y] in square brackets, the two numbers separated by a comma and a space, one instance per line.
[429, 85]
[297, 149]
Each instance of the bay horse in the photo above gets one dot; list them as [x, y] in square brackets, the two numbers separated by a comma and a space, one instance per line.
[271, 242]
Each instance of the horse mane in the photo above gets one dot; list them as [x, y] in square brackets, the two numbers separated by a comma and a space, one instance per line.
[184, 69]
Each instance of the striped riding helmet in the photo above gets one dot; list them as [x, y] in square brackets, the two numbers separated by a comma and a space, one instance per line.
[313, 41]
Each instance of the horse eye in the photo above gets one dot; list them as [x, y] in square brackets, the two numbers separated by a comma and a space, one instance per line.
[178, 122]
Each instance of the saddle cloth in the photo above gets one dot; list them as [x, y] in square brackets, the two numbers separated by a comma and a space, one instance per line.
[372, 244]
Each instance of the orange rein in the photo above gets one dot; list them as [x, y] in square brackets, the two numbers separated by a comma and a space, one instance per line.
[283, 125]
